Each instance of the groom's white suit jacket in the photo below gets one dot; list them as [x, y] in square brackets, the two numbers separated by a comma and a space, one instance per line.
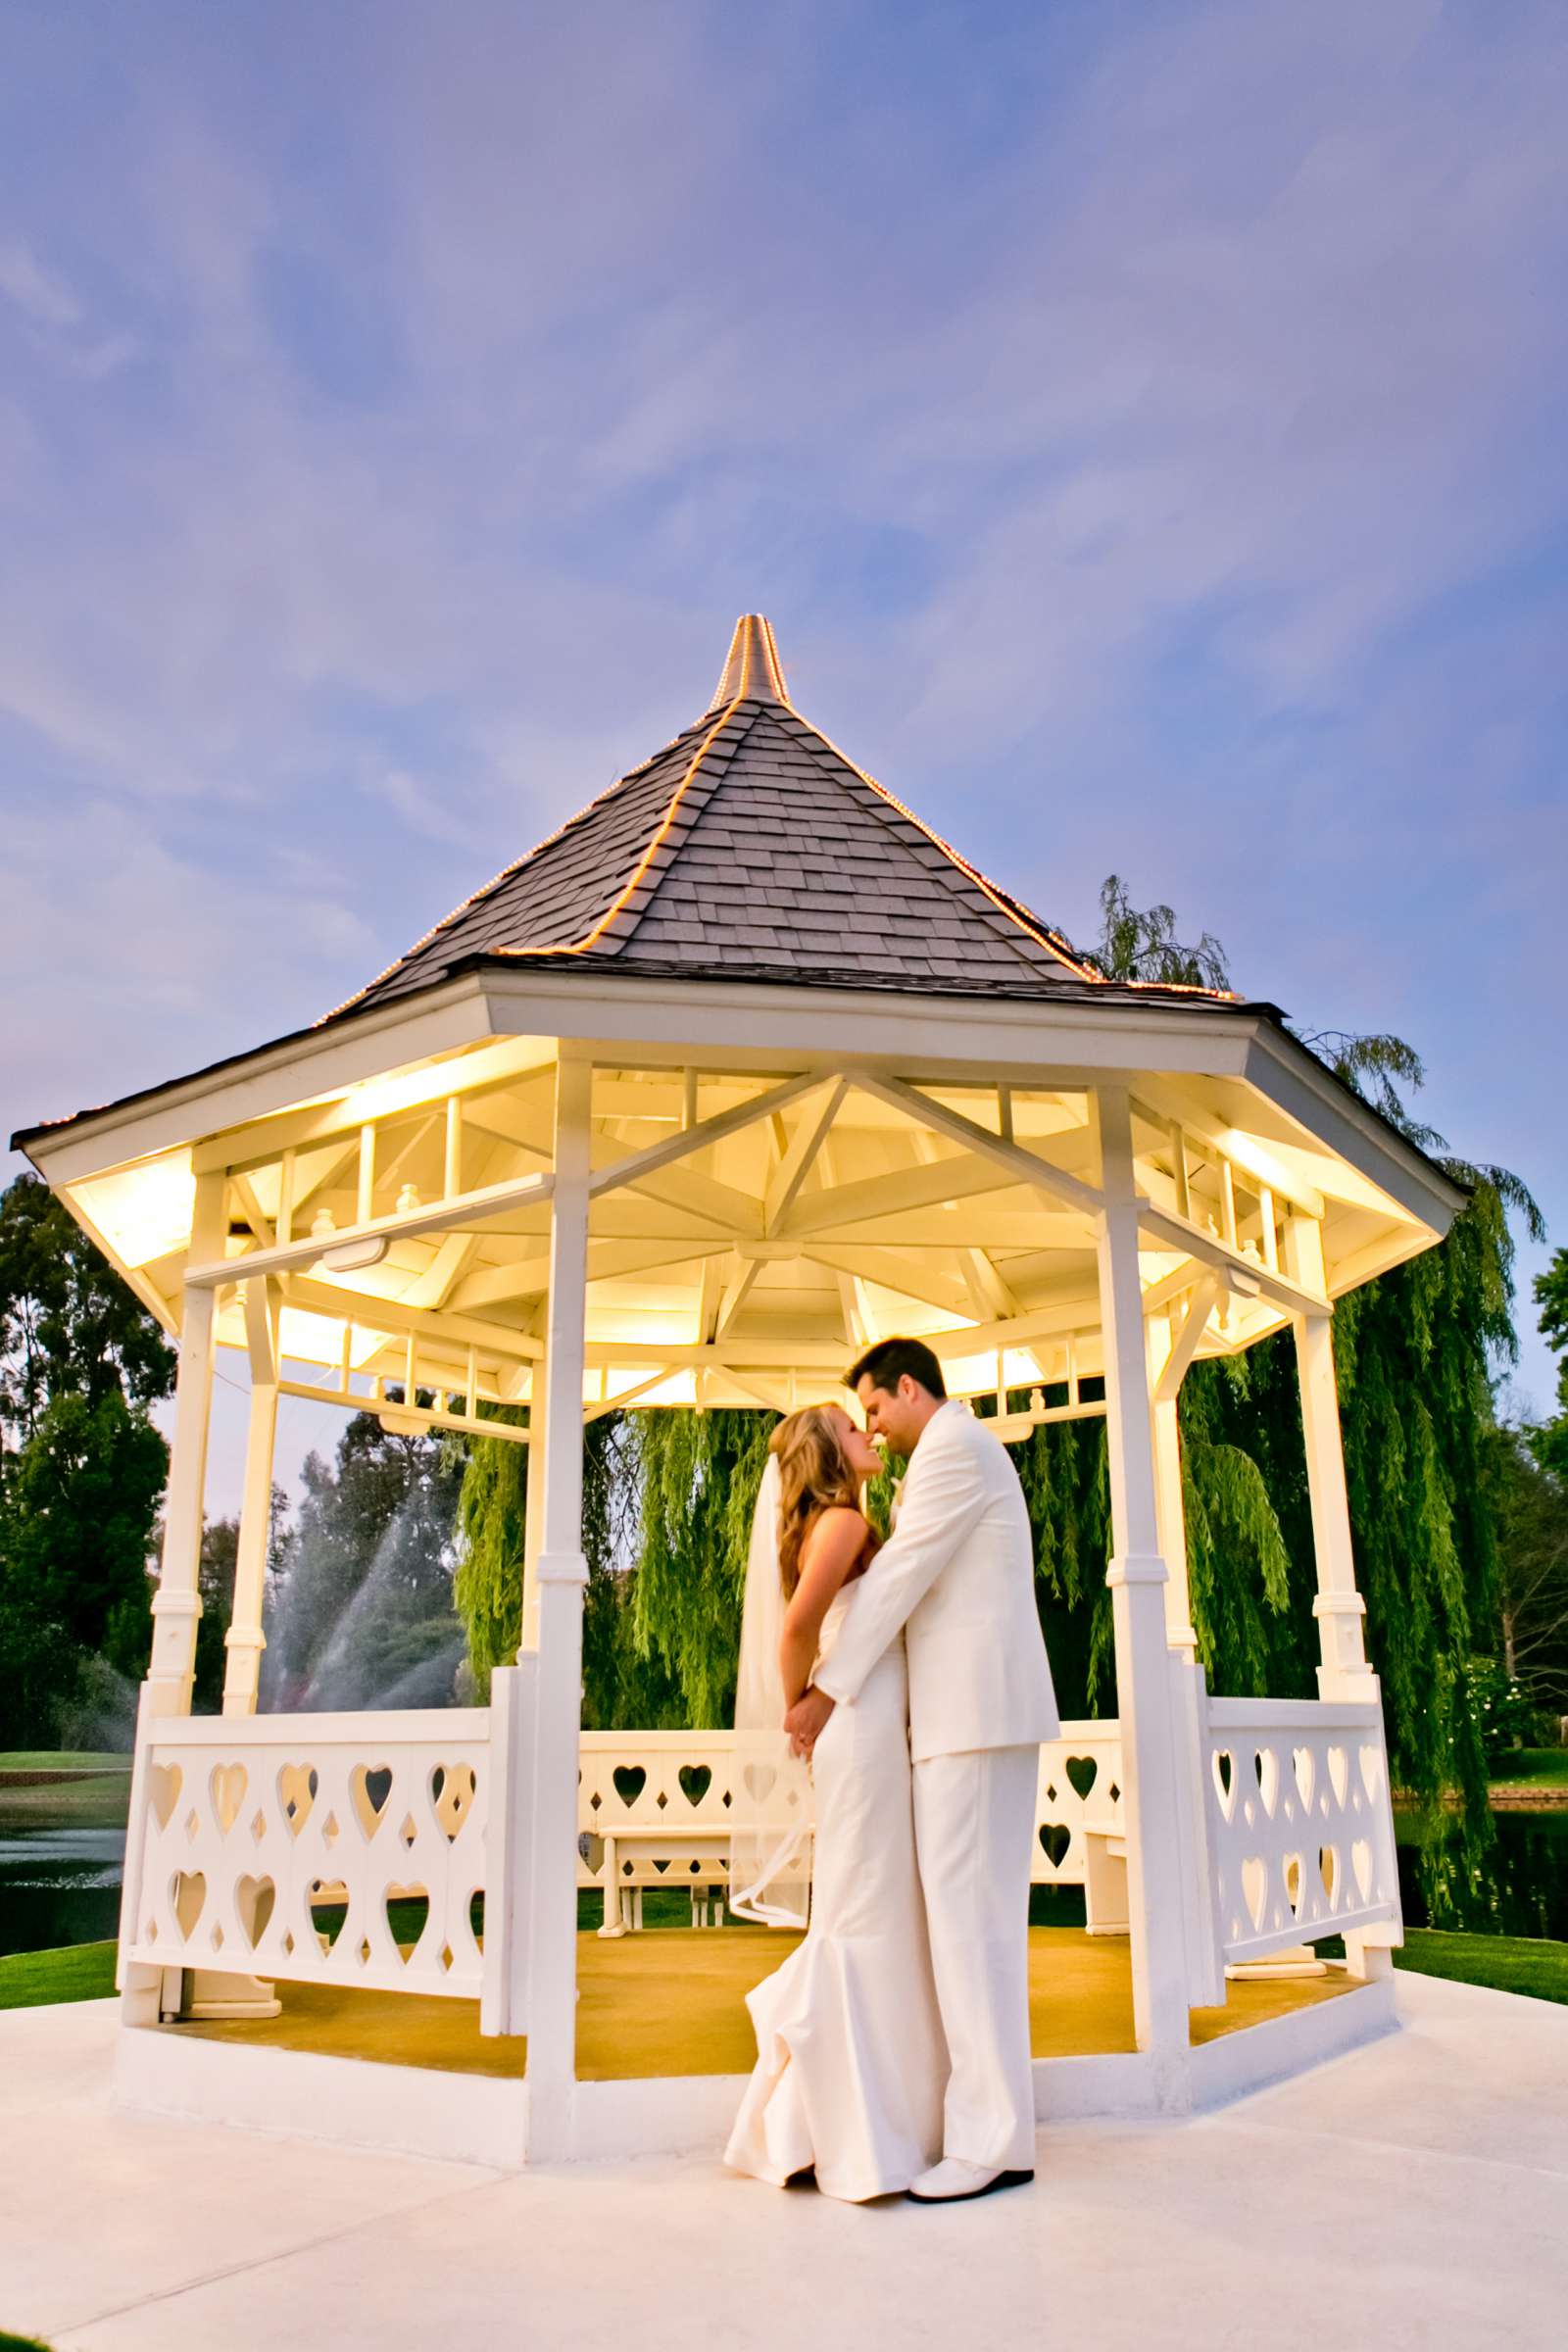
[958, 1574]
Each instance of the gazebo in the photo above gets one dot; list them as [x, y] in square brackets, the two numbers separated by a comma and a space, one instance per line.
[738, 1070]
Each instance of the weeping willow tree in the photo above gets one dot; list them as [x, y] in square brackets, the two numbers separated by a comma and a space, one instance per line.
[699, 1473]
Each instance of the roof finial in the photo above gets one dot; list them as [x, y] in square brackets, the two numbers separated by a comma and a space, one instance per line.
[752, 666]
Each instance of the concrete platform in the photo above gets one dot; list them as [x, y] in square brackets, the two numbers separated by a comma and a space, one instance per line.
[1409, 2194]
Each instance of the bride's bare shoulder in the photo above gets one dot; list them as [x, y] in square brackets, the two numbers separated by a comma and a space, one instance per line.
[837, 1533]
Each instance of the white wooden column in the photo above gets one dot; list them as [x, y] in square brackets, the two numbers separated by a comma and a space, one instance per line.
[1155, 1790]
[176, 1604]
[1170, 1509]
[1340, 1610]
[533, 1513]
[245, 1640]
[560, 1572]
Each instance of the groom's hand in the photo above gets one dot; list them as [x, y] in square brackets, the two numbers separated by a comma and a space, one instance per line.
[805, 1719]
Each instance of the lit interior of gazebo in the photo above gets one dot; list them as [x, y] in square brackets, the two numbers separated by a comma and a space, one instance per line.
[741, 1071]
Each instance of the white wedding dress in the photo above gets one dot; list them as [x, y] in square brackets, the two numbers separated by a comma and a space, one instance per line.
[852, 2064]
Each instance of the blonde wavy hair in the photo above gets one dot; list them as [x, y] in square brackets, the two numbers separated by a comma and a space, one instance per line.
[814, 1476]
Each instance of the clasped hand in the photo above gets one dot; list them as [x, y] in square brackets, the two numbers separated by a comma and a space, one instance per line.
[806, 1720]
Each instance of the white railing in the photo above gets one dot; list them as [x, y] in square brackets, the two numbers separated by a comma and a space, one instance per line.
[252, 1825]
[1300, 1825]
[658, 1809]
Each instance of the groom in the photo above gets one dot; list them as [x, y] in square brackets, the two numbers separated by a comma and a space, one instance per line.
[958, 1577]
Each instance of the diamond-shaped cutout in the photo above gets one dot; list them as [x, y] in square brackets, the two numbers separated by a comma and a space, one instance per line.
[661, 1800]
[288, 1940]
[364, 1949]
[594, 1801]
[330, 1832]
[259, 1825]
[726, 1796]
[447, 1955]
[192, 1823]
[408, 1832]
[152, 1931]
[215, 1939]
[1115, 1793]
[1051, 1791]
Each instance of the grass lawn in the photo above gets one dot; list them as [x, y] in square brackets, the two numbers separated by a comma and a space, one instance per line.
[101, 1803]
[62, 1759]
[1535, 1767]
[76, 1972]
[1525, 1964]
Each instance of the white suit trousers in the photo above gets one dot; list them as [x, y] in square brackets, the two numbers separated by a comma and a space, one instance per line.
[974, 1827]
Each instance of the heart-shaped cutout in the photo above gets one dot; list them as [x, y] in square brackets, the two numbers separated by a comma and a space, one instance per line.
[1293, 1884]
[1339, 1773]
[412, 1905]
[297, 1785]
[1328, 1869]
[1361, 1864]
[1254, 1889]
[1055, 1837]
[254, 1899]
[630, 1780]
[187, 1893]
[695, 1782]
[228, 1784]
[1306, 1775]
[452, 1792]
[1372, 1773]
[759, 1780]
[370, 1789]
[1267, 1766]
[163, 1787]
[1083, 1771]
[1225, 1780]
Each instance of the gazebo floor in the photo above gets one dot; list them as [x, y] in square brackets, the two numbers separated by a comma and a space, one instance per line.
[670, 2001]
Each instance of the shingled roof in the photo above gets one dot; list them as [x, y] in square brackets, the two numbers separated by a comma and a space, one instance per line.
[753, 849]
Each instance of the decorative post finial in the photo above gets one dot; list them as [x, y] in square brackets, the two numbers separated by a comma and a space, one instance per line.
[752, 668]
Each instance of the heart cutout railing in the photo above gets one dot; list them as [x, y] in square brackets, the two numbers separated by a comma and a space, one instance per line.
[164, 1784]
[630, 1780]
[1328, 1870]
[695, 1782]
[1267, 1766]
[1055, 1837]
[226, 1786]
[253, 1901]
[1225, 1780]
[1254, 1889]
[297, 1785]
[1306, 1775]
[1082, 1772]
[413, 1908]
[1339, 1773]
[759, 1780]
[1372, 1773]
[452, 1793]
[1361, 1865]
[188, 1893]
[370, 1791]
[1294, 1883]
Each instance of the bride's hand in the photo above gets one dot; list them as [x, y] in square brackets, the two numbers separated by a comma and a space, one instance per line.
[807, 1719]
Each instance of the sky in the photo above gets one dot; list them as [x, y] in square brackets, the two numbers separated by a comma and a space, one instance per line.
[1142, 423]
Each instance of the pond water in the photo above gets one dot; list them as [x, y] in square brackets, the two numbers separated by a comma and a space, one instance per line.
[1520, 1889]
[57, 1884]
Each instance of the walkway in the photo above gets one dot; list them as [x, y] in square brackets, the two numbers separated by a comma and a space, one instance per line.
[1408, 2195]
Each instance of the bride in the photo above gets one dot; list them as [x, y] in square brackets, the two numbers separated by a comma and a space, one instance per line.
[851, 2060]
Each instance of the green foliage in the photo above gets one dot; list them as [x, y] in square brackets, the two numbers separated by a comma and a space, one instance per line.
[492, 1513]
[216, 1584]
[81, 1467]
[1064, 1474]
[1140, 944]
[1527, 1494]
[1507, 1716]
[698, 1478]
[365, 1614]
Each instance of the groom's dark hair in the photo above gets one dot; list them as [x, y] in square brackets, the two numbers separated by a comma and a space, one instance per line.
[885, 1365]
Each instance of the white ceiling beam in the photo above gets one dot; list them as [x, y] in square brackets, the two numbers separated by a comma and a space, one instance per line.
[878, 1199]
[1248, 1275]
[1023, 1167]
[890, 1270]
[1161, 1102]
[689, 1140]
[1185, 1343]
[432, 1217]
[799, 1156]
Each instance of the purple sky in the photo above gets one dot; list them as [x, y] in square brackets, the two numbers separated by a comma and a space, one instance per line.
[1142, 426]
